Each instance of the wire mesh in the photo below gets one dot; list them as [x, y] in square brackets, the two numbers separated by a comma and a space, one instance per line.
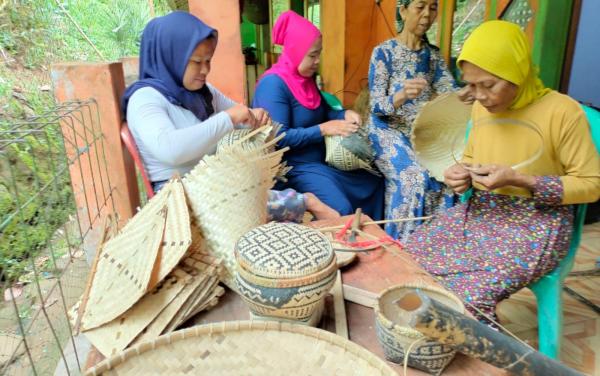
[54, 190]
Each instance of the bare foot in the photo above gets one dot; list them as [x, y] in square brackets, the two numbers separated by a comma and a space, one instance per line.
[318, 208]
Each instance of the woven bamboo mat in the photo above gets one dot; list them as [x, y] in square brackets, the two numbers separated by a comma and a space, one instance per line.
[177, 237]
[124, 269]
[248, 348]
[114, 336]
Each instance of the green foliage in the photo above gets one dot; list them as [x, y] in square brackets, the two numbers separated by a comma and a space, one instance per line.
[35, 200]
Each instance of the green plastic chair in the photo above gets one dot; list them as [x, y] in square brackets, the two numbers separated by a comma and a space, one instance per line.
[548, 289]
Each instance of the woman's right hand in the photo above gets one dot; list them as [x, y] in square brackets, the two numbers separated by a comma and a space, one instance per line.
[411, 89]
[338, 128]
[241, 114]
[457, 178]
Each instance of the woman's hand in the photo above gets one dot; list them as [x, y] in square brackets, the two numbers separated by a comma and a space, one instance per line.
[338, 128]
[498, 176]
[457, 178]
[466, 96]
[352, 117]
[261, 115]
[412, 89]
[241, 114]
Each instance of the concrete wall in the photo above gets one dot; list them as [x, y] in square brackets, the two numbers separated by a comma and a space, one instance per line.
[584, 84]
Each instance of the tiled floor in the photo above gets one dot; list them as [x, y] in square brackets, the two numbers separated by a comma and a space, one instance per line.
[581, 331]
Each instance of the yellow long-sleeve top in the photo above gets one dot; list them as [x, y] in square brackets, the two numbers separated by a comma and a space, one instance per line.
[568, 149]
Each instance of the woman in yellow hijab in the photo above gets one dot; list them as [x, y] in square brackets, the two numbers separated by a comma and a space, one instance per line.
[529, 157]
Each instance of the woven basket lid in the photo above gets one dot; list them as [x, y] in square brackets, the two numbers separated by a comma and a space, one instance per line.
[283, 250]
[439, 131]
[245, 348]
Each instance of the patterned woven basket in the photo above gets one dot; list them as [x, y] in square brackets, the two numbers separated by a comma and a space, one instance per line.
[425, 354]
[349, 153]
[245, 348]
[284, 270]
[228, 195]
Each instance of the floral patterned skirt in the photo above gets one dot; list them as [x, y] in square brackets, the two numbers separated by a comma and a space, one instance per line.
[493, 245]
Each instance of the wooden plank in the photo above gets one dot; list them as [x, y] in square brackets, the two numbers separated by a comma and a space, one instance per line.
[358, 296]
[341, 325]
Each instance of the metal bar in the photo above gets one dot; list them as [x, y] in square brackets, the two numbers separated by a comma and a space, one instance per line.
[475, 339]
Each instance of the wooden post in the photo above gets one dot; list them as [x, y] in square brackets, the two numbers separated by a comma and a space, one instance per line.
[445, 28]
[104, 83]
[351, 29]
[228, 68]
[332, 59]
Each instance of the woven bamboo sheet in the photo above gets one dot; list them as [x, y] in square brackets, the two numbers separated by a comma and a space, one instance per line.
[114, 336]
[125, 267]
[177, 237]
[248, 348]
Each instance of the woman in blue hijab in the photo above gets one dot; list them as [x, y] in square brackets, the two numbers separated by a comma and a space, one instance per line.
[176, 117]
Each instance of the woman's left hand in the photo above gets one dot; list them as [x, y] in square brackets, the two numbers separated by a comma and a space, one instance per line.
[352, 117]
[261, 115]
[498, 176]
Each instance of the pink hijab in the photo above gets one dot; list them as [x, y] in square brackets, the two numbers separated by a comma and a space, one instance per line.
[296, 34]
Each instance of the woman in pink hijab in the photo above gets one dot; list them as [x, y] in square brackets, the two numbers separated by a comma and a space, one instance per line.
[289, 93]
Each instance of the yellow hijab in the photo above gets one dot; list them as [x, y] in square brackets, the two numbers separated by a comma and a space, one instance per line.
[502, 48]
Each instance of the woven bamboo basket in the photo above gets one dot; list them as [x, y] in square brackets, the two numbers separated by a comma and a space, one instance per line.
[349, 153]
[245, 348]
[439, 131]
[284, 270]
[228, 195]
[246, 138]
[397, 338]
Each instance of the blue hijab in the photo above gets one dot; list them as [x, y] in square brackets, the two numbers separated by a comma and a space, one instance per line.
[167, 45]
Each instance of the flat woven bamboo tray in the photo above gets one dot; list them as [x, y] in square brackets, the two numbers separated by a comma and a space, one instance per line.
[245, 348]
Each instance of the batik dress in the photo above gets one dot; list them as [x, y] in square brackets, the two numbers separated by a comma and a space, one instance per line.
[409, 190]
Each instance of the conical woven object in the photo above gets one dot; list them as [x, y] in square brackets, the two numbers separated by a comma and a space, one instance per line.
[246, 348]
[439, 131]
[125, 267]
[228, 195]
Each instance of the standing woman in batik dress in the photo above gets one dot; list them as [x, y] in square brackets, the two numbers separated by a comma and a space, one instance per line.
[405, 72]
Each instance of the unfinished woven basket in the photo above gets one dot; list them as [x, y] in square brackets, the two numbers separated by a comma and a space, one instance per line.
[228, 195]
[239, 138]
[397, 337]
[349, 153]
[245, 348]
[438, 131]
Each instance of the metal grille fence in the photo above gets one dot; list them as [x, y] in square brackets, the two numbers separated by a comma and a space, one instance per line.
[54, 190]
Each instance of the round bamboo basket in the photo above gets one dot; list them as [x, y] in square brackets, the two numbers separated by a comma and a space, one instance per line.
[397, 337]
[284, 270]
[245, 348]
